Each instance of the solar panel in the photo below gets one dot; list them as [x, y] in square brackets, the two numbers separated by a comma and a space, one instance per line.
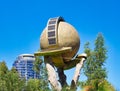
[52, 41]
[51, 34]
[52, 31]
[52, 22]
[51, 27]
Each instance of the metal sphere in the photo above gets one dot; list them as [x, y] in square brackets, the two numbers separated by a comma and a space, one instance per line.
[67, 36]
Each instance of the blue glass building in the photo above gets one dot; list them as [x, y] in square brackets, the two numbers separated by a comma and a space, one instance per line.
[24, 65]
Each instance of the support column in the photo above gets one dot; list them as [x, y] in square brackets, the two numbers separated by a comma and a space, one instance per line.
[62, 77]
[79, 65]
[52, 77]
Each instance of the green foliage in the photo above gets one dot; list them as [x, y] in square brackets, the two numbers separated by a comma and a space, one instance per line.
[94, 67]
[3, 69]
[38, 62]
[95, 85]
[14, 83]
[105, 86]
[3, 85]
[33, 85]
[9, 79]
[67, 88]
[36, 85]
[39, 67]
[100, 53]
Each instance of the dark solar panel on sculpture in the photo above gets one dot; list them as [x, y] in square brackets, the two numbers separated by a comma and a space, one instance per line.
[53, 18]
[52, 30]
[52, 22]
[51, 27]
[52, 41]
[51, 34]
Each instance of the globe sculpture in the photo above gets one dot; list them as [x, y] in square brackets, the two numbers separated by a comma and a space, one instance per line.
[59, 44]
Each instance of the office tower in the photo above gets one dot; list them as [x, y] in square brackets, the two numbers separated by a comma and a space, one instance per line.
[24, 65]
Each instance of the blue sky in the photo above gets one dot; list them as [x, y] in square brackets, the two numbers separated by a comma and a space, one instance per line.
[22, 21]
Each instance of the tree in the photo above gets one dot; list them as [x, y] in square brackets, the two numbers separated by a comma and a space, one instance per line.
[100, 57]
[37, 64]
[14, 83]
[39, 67]
[105, 86]
[9, 79]
[3, 85]
[94, 68]
[33, 85]
[3, 69]
[44, 83]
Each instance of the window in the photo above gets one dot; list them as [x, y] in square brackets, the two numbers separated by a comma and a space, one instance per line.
[53, 18]
[52, 33]
[52, 22]
[51, 27]
[52, 41]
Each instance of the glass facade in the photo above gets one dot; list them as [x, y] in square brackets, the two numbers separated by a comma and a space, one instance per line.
[24, 65]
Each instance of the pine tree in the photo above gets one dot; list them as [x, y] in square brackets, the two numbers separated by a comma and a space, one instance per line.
[3, 69]
[89, 65]
[94, 67]
[3, 72]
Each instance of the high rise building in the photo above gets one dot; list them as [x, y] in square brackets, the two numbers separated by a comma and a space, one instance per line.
[24, 65]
